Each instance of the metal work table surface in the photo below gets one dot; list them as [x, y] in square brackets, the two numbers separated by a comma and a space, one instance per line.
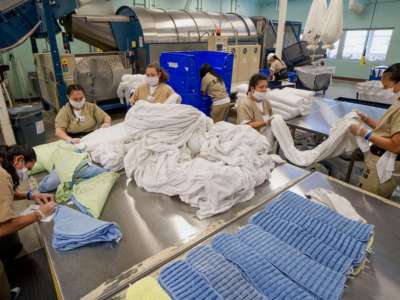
[149, 223]
[325, 112]
[381, 280]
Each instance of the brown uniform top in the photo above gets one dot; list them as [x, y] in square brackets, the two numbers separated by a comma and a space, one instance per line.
[389, 124]
[248, 111]
[93, 117]
[211, 86]
[162, 92]
[6, 196]
[276, 66]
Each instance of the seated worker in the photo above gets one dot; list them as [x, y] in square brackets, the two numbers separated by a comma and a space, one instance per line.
[13, 161]
[277, 68]
[155, 89]
[384, 135]
[255, 110]
[213, 86]
[78, 117]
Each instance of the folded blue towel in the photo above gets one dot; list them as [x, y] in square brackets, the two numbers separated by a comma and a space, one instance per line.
[262, 274]
[181, 281]
[225, 278]
[359, 231]
[322, 230]
[303, 241]
[316, 278]
[73, 229]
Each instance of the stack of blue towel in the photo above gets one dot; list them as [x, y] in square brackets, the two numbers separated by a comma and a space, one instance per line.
[73, 229]
[293, 249]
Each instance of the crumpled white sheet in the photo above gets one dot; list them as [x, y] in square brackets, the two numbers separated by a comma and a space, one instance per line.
[335, 202]
[340, 141]
[290, 102]
[177, 150]
[385, 166]
[129, 83]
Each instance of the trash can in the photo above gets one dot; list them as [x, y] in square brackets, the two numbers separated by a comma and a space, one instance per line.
[27, 123]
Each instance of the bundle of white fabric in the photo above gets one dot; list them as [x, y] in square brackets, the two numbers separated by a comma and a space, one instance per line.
[340, 141]
[373, 91]
[129, 83]
[290, 102]
[177, 150]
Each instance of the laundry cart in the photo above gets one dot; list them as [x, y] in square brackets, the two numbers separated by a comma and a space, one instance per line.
[314, 78]
[184, 74]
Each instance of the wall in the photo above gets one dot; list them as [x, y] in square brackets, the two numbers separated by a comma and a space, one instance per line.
[20, 86]
[387, 15]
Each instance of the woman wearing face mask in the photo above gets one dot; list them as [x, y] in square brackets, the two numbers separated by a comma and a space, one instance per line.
[155, 89]
[213, 86]
[78, 117]
[12, 161]
[384, 135]
[255, 110]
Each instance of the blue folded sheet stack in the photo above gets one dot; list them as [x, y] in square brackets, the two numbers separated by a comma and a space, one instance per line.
[73, 229]
[293, 249]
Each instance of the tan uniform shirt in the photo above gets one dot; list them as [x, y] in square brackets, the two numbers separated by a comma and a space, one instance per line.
[6, 196]
[248, 111]
[211, 86]
[162, 92]
[92, 117]
[276, 66]
[389, 124]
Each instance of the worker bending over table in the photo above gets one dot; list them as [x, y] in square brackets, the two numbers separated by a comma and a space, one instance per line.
[277, 68]
[78, 117]
[155, 89]
[384, 136]
[213, 86]
[255, 110]
[15, 161]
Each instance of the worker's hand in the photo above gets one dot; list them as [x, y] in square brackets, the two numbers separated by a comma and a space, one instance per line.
[105, 125]
[358, 130]
[40, 198]
[363, 116]
[74, 141]
[46, 210]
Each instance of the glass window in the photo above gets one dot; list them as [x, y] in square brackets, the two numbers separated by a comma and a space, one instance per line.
[332, 53]
[354, 43]
[378, 44]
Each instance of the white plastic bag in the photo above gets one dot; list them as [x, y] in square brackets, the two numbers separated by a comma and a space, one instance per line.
[333, 26]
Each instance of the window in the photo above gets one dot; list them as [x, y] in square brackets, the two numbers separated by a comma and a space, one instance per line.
[352, 43]
[332, 53]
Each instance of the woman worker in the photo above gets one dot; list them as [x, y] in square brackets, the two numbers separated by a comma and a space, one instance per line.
[213, 86]
[384, 135]
[277, 68]
[13, 161]
[255, 110]
[78, 117]
[155, 89]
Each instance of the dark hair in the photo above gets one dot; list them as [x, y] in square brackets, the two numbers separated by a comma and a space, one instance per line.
[7, 164]
[74, 87]
[394, 72]
[163, 74]
[254, 80]
[207, 68]
[26, 151]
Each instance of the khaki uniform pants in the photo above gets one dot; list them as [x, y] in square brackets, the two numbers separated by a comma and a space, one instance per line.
[370, 180]
[219, 112]
[5, 293]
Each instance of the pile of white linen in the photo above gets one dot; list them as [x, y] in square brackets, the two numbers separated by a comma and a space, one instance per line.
[177, 150]
[340, 141]
[129, 83]
[289, 102]
[372, 90]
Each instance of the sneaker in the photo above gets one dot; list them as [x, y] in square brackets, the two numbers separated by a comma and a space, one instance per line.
[15, 293]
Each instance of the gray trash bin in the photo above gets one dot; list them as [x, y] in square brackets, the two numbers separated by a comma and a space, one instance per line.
[27, 123]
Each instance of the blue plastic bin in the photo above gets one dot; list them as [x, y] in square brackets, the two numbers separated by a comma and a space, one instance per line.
[265, 72]
[292, 77]
[184, 74]
[377, 72]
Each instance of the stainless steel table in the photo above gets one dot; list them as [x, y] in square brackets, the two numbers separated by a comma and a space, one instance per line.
[150, 223]
[381, 280]
[326, 112]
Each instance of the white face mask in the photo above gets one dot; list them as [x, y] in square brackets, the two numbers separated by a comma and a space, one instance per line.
[259, 96]
[77, 104]
[23, 174]
[152, 81]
